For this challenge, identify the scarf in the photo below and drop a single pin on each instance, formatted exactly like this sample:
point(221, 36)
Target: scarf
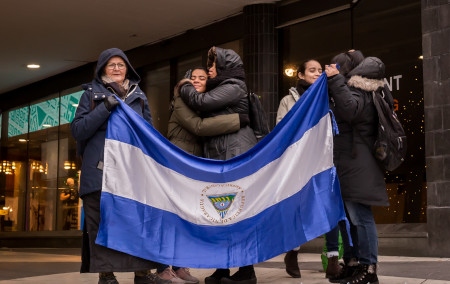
point(302, 86)
point(116, 88)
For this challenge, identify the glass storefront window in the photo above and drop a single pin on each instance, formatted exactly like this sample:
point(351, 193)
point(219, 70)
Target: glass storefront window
point(43, 164)
point(13, 184)
point(156, 85)
point(68, 203)
point(397, 40)
point(32, 173)
point(324, 37)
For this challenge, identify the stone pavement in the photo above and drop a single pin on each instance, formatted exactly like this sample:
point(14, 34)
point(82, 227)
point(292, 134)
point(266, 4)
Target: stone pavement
point(61, 266)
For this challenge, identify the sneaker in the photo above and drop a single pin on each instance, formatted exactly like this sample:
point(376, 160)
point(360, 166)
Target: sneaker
point(217, 276)
point(365, 274)
point(150, 278)
point(291, 262)
point(107, 278)
point(169, 274)
point(183, 273)
point(242, 276)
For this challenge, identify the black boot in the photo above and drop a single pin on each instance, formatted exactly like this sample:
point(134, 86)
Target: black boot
point(245, 275)
point(365, 274)
point(291, 262)
point(217, 275)
point(107, 278)
point(333, 267)
point(347, 270)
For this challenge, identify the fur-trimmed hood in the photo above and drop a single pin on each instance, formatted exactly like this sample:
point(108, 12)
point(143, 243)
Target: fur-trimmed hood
point(368, 75)
point(365, 84)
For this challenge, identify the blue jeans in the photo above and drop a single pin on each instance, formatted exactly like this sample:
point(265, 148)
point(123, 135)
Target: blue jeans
point(363, 232)
point(332, 239)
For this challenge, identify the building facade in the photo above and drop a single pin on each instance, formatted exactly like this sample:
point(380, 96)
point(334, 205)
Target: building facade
point(38, 154)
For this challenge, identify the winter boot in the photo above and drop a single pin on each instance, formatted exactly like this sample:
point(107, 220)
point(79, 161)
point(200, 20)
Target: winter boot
point(146, 277)
point(365, 274)
point(245, 275)
point(217, 275)
point(333, 267)
point(107, 278)
point(291, 262)
point(346, 271)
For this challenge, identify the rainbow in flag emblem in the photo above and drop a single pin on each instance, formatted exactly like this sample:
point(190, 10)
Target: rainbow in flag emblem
point(222, 202)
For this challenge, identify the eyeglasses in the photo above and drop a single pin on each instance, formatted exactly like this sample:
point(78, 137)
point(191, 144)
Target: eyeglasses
point(112, 66)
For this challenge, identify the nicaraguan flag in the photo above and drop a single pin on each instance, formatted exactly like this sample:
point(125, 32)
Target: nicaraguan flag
point(162, 204)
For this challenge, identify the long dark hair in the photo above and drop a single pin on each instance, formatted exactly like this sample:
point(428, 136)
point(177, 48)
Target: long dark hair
point(302, 66)
point(348, 60)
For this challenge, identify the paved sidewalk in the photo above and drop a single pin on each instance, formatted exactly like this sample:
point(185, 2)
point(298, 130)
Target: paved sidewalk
point(61, 266)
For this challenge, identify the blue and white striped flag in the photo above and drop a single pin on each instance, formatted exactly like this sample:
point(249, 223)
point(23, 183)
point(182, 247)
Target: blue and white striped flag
point(162, 204)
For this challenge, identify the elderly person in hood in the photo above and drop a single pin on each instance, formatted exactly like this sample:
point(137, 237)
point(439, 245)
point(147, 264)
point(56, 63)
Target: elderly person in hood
point(114, 76)
point(226, 92)
point(360, 176)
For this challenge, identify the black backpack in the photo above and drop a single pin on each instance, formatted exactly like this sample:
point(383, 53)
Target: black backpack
point(390, 145)
point(257, 115)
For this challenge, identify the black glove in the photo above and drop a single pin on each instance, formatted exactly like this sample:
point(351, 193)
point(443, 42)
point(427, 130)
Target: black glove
point(188, 74)
point(244, 120)
point(111, 102)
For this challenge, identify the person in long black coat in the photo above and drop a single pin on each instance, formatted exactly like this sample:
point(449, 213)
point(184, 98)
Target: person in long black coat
point(114, 76)
point(360, 176)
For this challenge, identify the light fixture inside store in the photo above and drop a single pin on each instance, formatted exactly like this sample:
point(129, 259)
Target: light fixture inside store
point(33, 66)
point(7, 167)
point(39, 167)
point(290, 72)
point(68, 165)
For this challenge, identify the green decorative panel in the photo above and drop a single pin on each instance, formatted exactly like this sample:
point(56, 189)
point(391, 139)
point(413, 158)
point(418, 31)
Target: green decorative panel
point(18, 122)
point(44, 115)
point(69, 105)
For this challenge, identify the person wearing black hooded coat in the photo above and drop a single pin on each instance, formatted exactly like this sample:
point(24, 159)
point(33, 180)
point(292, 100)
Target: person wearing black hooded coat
point(360, 176)
point(226, 92)
point(114, 76)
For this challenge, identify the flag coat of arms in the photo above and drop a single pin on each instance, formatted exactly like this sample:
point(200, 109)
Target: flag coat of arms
point(163, 204)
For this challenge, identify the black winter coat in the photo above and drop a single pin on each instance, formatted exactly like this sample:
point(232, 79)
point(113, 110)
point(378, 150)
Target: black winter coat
point(91, 119)
point(230, 96)
point(360, 176)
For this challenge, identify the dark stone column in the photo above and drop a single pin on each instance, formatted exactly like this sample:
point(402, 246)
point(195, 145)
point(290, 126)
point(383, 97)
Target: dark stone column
point(261, 55)
point(436, 71)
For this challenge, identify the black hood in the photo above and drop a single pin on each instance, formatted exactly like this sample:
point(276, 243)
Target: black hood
point(104, 57)
point(227, 59)
point(370, 67)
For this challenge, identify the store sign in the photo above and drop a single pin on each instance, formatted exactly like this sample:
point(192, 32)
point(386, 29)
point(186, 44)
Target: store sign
point(393, 82)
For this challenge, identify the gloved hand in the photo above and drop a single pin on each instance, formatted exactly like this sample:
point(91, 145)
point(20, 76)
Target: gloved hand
point(111, 102)
point(188, 74)
point(244, 120)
